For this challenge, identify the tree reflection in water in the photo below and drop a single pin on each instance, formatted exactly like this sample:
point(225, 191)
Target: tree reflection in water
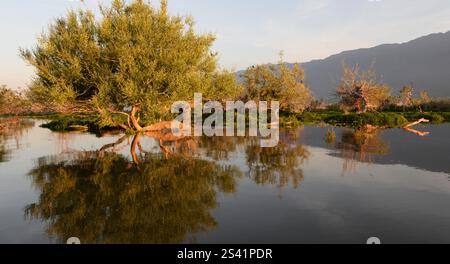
point(360, 145)
point(11, 129)
point(103, 197)
point(280, 165)
point(152, 197)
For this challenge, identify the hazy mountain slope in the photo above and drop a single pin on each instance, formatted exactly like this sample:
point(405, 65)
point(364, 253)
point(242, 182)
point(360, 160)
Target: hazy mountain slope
point(424, 62)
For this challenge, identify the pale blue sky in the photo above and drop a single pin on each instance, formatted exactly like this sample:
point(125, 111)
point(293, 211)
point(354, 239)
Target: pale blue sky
point(249, 31)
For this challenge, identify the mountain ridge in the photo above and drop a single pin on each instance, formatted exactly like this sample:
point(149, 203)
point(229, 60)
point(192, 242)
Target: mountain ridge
point(423, 62)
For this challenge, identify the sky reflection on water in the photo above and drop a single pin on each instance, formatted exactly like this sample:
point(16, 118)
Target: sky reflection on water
point(391, 184)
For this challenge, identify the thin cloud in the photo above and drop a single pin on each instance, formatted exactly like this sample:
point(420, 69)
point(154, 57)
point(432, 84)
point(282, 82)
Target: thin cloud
point(307, 8)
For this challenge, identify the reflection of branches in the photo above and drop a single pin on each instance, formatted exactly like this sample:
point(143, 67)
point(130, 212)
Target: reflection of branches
point(361, 146)
point(419, 133)
point(169, 144)
point(219, 148)
point(11, 128)
point(113, 145)
point(164, 141)
point(104, 200)
point(279, 165)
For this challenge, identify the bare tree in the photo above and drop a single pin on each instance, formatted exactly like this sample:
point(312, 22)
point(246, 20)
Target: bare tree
point(360, 90)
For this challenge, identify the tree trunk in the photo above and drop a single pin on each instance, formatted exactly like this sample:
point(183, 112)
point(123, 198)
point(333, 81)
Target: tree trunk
point(135, 121)
point(161, 126)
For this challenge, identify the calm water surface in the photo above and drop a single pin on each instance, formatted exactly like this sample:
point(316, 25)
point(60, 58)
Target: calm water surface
point(391, 184)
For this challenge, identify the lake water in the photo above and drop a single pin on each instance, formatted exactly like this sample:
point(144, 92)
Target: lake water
point(390, 184)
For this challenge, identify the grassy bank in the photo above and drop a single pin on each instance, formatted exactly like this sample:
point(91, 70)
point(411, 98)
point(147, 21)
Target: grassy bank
point(90, 122)
point(381, 119)
point(81, 122)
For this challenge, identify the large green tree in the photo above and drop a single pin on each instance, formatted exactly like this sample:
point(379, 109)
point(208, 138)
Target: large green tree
point(135, 55)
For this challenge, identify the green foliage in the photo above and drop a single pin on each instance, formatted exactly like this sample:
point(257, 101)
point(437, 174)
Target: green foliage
point(360, 120)
point(394, 120)
point(63, 123)
point(95, 124)
point(382, 119)
point(316, 117)
point(446, 116)
point(134, 54)
point(278, 83)
point(289, 120)
point(435, 118)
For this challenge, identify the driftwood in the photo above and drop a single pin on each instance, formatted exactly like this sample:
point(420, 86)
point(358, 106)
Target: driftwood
point(134, 118)
point(422, 120)
point(79, 128)
point(409, 128)
point(159, 127)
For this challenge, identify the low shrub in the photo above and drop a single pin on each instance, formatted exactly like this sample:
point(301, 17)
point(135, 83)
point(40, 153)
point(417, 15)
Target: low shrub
point(62, 123)
point(446, 116)
point(374, 119)
point(435, 118)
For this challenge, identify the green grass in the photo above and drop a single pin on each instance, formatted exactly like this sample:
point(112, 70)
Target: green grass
point(374, 119)
point(435, 118)
point(64, 123)
point(380, 119)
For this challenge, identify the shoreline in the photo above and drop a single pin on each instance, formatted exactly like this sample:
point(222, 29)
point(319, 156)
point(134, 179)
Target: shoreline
point(90, 122)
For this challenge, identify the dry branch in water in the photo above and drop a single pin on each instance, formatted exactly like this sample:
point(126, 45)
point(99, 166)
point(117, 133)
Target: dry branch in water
point(409, 128)
point(159, 127)
point(422, 120)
